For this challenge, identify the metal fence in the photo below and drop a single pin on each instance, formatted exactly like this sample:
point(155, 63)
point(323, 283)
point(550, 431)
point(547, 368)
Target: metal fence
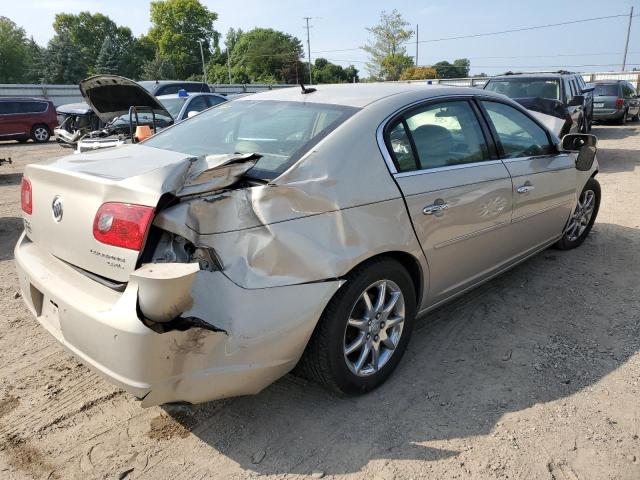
point(63, 94)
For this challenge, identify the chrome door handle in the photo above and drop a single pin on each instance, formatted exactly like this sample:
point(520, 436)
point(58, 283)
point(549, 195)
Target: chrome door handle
point(435, 208)
point(525, 188)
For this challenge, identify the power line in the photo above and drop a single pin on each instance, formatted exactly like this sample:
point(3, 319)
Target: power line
point(500, 32)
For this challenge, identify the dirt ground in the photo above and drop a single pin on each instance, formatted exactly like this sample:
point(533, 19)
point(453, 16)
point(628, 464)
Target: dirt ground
point(534, 375)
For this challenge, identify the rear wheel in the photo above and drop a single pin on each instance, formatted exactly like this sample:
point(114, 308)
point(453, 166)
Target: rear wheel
point(40, 134)
point(363, 331)
point(623, 119)
point(583, 217)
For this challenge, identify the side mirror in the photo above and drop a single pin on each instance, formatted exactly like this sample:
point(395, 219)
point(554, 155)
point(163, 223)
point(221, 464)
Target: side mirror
point(585, 145)
point(192, 113)
point(576, 101)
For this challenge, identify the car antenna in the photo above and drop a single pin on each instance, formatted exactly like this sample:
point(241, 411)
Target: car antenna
point(306, 90)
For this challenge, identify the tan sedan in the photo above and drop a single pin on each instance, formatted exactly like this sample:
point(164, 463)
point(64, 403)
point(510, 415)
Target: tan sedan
point(292, 229)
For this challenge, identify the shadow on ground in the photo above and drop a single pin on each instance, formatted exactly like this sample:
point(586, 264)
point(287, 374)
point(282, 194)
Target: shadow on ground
point(550, 327)
point(10, 230)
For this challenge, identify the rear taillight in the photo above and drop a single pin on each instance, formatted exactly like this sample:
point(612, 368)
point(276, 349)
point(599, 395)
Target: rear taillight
point(26, 196)
point(122, 224)
point(619, 102)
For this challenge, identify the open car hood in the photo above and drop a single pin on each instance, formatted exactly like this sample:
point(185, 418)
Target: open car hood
point(111, 96)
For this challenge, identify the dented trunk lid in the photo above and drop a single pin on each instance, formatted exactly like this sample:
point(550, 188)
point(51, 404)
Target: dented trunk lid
point(130, 174)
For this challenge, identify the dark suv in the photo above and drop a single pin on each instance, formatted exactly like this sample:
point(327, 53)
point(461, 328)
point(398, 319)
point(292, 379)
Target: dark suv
point(25, 118)
point(567, 93)
point(615, 100)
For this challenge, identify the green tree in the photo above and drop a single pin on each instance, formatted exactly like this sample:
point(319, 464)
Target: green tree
point(264, 55)
point(13, 52)
point(419, 73)
point(352, 73)
point(176, 28)
point(459, 68)
point(387, 54)
point(61, 62)
point(327, 72)
point(86, 33)
point(35, 72)
point(107, 61)
point(158, 68)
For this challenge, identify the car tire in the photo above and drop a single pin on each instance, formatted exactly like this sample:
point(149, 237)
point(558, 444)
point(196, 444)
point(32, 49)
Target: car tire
point(582, 218)
point(623, 119)
point(332, 357)
point(40, 134)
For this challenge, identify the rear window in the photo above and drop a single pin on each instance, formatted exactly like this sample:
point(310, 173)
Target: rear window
point(606, 90)
point(281, 132)
point(16, 107)
point(526, 88)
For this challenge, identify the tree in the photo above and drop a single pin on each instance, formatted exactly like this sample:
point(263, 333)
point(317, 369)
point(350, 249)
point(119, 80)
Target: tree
point(387, 54)
point(158, 69)
point(419, 73)
point(86, 33)
point(61, 62)
point(13, 52)
point(107, 61)
point(176, 28)
point(459, 68)
point(327, 72)
point(35, 62)
point(264, 55)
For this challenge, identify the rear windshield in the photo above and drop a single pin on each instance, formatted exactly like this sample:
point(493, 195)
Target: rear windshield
point(526, 88)
point(281, 132)
point(605, 90)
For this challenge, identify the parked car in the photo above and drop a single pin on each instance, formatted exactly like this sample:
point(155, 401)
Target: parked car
point(22, 119)
point(181, 105)
point(80, 117)
point(569, 96)
point(167, 87)
point(615, 100)
point(289, 229)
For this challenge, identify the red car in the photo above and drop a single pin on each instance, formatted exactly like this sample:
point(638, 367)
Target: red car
point(25, 118)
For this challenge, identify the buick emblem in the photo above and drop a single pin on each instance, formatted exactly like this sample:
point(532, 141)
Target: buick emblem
point(56, 208)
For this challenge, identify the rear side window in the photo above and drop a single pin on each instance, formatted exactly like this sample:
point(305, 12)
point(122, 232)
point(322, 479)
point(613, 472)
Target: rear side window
point(606, 90)
point(519, 136)
point(198, 104)
point(213, 100)
point(627, 90)
point(18, 106)
point(437, 136)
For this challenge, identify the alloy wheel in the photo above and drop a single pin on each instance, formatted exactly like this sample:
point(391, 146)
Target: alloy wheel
point(374, 328)
point(41, 134)
point(581, 217)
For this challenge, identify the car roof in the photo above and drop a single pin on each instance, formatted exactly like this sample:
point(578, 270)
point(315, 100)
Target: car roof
point(533, 75)
point(190, 94)
point(609, 81)
point(360, 95)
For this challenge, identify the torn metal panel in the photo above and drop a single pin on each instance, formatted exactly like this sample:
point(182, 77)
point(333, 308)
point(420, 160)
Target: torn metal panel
point(164, 289)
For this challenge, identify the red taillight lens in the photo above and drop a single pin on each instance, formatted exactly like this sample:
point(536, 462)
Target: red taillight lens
point(26, 196)
point(122, 224)
point(619, 102)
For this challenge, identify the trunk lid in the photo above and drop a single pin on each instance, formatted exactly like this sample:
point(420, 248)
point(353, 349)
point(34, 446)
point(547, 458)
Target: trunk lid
point(135, 174)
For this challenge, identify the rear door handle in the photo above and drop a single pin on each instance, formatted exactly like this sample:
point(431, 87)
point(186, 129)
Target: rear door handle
point(436, 208)
point(527, 187)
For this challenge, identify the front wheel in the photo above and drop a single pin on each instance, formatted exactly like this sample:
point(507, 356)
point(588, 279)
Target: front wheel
point(583, 217)
point(363, 331)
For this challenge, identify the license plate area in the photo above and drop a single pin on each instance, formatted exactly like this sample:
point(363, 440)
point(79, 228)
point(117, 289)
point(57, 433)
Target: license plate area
point(598, 105)
point(50, 314)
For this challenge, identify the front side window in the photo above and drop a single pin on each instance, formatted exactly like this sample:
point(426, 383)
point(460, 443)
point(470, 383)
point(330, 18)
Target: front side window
point(280, 132)
point(443, 134)
point(519, 135)
point(198, 104)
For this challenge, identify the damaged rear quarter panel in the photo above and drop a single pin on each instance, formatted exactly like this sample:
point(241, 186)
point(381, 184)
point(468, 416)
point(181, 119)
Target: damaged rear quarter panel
point(330, 211)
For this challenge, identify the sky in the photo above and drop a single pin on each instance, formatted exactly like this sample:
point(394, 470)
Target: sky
point(341, 24)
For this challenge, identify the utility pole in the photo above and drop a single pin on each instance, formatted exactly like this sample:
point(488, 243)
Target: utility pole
point(308, 49)
point(417, 36)
point(626, 46)
point(229, 65)
point(204, 70)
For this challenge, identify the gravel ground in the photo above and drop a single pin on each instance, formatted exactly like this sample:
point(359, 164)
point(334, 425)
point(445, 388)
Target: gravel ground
point(533, 375)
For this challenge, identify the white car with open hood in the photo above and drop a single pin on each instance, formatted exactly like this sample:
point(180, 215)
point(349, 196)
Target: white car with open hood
point(289, 230)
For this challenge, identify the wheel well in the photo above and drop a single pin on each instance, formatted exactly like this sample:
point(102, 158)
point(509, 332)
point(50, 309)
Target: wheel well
point(36, 125)
point(409, 262)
